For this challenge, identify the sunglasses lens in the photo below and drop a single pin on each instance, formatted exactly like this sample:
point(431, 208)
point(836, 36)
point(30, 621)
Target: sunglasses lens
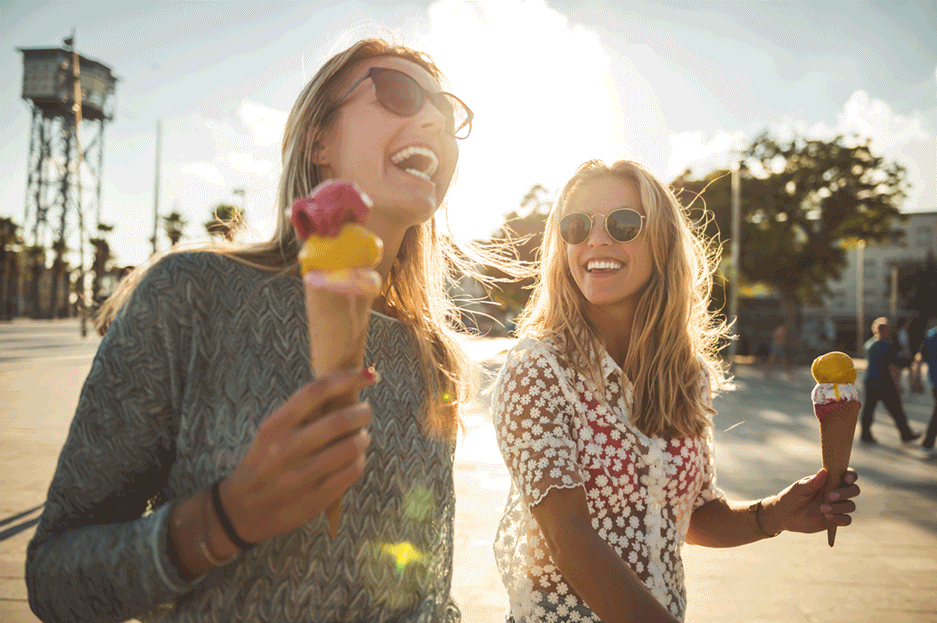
point(457, 115)
point(623, 225)
point(398, 93)
point(575, 228)
point(402, 95)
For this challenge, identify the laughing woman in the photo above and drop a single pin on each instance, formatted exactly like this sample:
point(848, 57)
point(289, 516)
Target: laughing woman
point(603, 413)
point(200, 405)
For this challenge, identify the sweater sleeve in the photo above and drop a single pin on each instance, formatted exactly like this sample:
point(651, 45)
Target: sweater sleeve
point(97, 554)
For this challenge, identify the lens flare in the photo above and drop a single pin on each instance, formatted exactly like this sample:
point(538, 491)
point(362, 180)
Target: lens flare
point(403, 554)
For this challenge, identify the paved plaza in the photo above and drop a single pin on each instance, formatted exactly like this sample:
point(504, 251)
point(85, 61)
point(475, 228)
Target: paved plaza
point(883, 568)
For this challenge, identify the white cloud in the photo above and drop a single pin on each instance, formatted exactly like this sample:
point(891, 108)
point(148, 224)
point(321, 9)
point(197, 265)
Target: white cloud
point(204, 170)
point(874, 118)
point(696, 151)
point(265, 124)
point(248, 163)
point(902, 138)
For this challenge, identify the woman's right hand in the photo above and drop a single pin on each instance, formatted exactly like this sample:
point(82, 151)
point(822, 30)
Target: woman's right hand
point(301, 461)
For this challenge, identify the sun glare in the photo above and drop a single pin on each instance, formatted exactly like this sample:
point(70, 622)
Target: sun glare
point(539, 87)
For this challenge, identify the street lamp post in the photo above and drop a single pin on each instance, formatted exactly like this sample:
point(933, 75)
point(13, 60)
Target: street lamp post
point(76, 108)
point(736, 256)
point(860, 296)
point(159, 147)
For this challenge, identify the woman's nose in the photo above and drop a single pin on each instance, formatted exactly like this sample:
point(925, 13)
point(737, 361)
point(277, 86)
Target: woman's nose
point(599, 235)
point(429, 116)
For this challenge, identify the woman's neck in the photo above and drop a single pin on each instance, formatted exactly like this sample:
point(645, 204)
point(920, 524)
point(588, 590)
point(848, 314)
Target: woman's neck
point(614, 329)
point(391, 233)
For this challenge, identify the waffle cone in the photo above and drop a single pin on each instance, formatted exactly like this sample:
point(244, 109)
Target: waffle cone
point(837, 429)
point(338, 329)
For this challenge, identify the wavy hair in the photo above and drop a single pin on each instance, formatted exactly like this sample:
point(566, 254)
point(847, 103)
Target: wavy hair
point(416, 288)
point(674, 335)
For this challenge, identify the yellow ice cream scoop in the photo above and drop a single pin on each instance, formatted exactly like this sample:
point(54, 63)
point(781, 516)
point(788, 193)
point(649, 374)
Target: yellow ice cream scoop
point(354, 247)
point(834, 367)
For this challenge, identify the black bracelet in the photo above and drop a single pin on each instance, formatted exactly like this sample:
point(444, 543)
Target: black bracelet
point(225, 520)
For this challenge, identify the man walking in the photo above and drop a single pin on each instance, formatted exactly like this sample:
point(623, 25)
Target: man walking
point(881, 377)
point(928, 353)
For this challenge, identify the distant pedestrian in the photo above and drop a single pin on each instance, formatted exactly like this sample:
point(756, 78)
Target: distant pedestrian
point(928, 354)
point(905, 356)
point(779, 351)
point(881, 383)
point(603, 413)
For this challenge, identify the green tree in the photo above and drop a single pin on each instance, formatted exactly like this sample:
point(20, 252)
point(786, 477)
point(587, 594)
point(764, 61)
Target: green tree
point(99, 262)
point(801, 200)
point(174, 226)
point(524, 229)
point(225, 222)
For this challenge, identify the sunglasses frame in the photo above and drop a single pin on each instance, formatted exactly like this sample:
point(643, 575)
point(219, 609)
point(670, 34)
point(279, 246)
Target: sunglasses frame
point(426, 95)
point(605, 224)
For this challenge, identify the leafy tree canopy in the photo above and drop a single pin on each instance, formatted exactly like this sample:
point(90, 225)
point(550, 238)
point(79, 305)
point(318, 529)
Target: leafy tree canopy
point(802, 202)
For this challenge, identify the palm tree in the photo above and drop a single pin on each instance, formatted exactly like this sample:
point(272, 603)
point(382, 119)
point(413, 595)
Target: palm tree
point(226, 221)
point(102, 255)
point(174, 225)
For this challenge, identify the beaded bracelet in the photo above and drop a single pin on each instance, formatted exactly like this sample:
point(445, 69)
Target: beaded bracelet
point(202, 542)
point(225, 520)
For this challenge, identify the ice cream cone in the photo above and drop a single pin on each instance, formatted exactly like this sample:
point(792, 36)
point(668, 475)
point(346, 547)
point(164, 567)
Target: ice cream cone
point(338, 329)
point(837, 429)
point(337, 260)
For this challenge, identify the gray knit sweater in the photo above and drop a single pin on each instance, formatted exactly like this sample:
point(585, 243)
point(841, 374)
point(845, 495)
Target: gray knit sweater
point(202, 352)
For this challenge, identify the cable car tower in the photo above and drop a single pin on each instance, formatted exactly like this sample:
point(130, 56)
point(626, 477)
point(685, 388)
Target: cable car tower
point(70, 99)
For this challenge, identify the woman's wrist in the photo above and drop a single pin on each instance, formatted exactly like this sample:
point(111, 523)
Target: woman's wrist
point(767, 519)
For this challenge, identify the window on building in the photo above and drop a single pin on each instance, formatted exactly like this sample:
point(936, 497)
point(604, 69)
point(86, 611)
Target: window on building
point(871, 269)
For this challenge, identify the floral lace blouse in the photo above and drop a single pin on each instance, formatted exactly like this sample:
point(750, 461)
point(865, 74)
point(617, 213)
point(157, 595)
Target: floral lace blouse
point(555, 434)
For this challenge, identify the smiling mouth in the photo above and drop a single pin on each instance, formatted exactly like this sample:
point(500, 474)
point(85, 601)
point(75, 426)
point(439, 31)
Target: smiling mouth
point(416, 160)
point(603, 267)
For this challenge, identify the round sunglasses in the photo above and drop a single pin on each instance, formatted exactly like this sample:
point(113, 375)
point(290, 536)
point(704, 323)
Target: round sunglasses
point(622, 225)
point(402, 95)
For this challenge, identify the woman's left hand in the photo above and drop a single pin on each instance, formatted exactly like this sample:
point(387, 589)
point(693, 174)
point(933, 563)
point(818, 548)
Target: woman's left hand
point(802, 507)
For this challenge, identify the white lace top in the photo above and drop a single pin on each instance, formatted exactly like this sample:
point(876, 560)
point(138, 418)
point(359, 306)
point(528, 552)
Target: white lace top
point(641, 491)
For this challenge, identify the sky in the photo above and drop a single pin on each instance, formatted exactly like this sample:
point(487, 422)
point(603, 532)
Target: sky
point(673, 85)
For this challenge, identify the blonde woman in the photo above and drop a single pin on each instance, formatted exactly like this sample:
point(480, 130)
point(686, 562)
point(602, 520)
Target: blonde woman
point(603, 414)
point(200, 405)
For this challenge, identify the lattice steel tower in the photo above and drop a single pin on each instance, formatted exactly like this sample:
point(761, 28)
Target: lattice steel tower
point(55, 203)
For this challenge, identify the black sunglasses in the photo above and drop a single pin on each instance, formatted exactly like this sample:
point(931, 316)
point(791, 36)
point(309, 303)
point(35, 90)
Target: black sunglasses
point(402, 95)
point(623, 225)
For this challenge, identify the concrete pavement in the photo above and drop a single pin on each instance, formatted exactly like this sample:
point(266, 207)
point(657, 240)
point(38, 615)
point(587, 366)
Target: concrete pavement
point(883, 568)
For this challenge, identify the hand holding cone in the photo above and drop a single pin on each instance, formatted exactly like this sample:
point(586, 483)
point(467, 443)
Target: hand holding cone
point(337, 260)
point(836, 406)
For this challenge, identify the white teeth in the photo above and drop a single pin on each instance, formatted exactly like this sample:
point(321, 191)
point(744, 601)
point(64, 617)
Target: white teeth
point(427, 161)
point(603, 265)
point(419, 174)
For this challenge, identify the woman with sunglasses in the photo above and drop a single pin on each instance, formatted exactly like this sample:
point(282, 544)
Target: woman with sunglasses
point(201, 456)
point(603, 411)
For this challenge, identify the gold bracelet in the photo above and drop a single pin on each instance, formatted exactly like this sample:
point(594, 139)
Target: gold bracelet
point(203, 545)
point(753, 512)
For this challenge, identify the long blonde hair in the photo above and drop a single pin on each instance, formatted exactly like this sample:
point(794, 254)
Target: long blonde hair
point(415, 289)
point(674, 336)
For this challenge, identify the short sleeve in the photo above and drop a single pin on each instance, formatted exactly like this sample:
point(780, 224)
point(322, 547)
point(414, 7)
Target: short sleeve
point(709, 490)
point(530, 414)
